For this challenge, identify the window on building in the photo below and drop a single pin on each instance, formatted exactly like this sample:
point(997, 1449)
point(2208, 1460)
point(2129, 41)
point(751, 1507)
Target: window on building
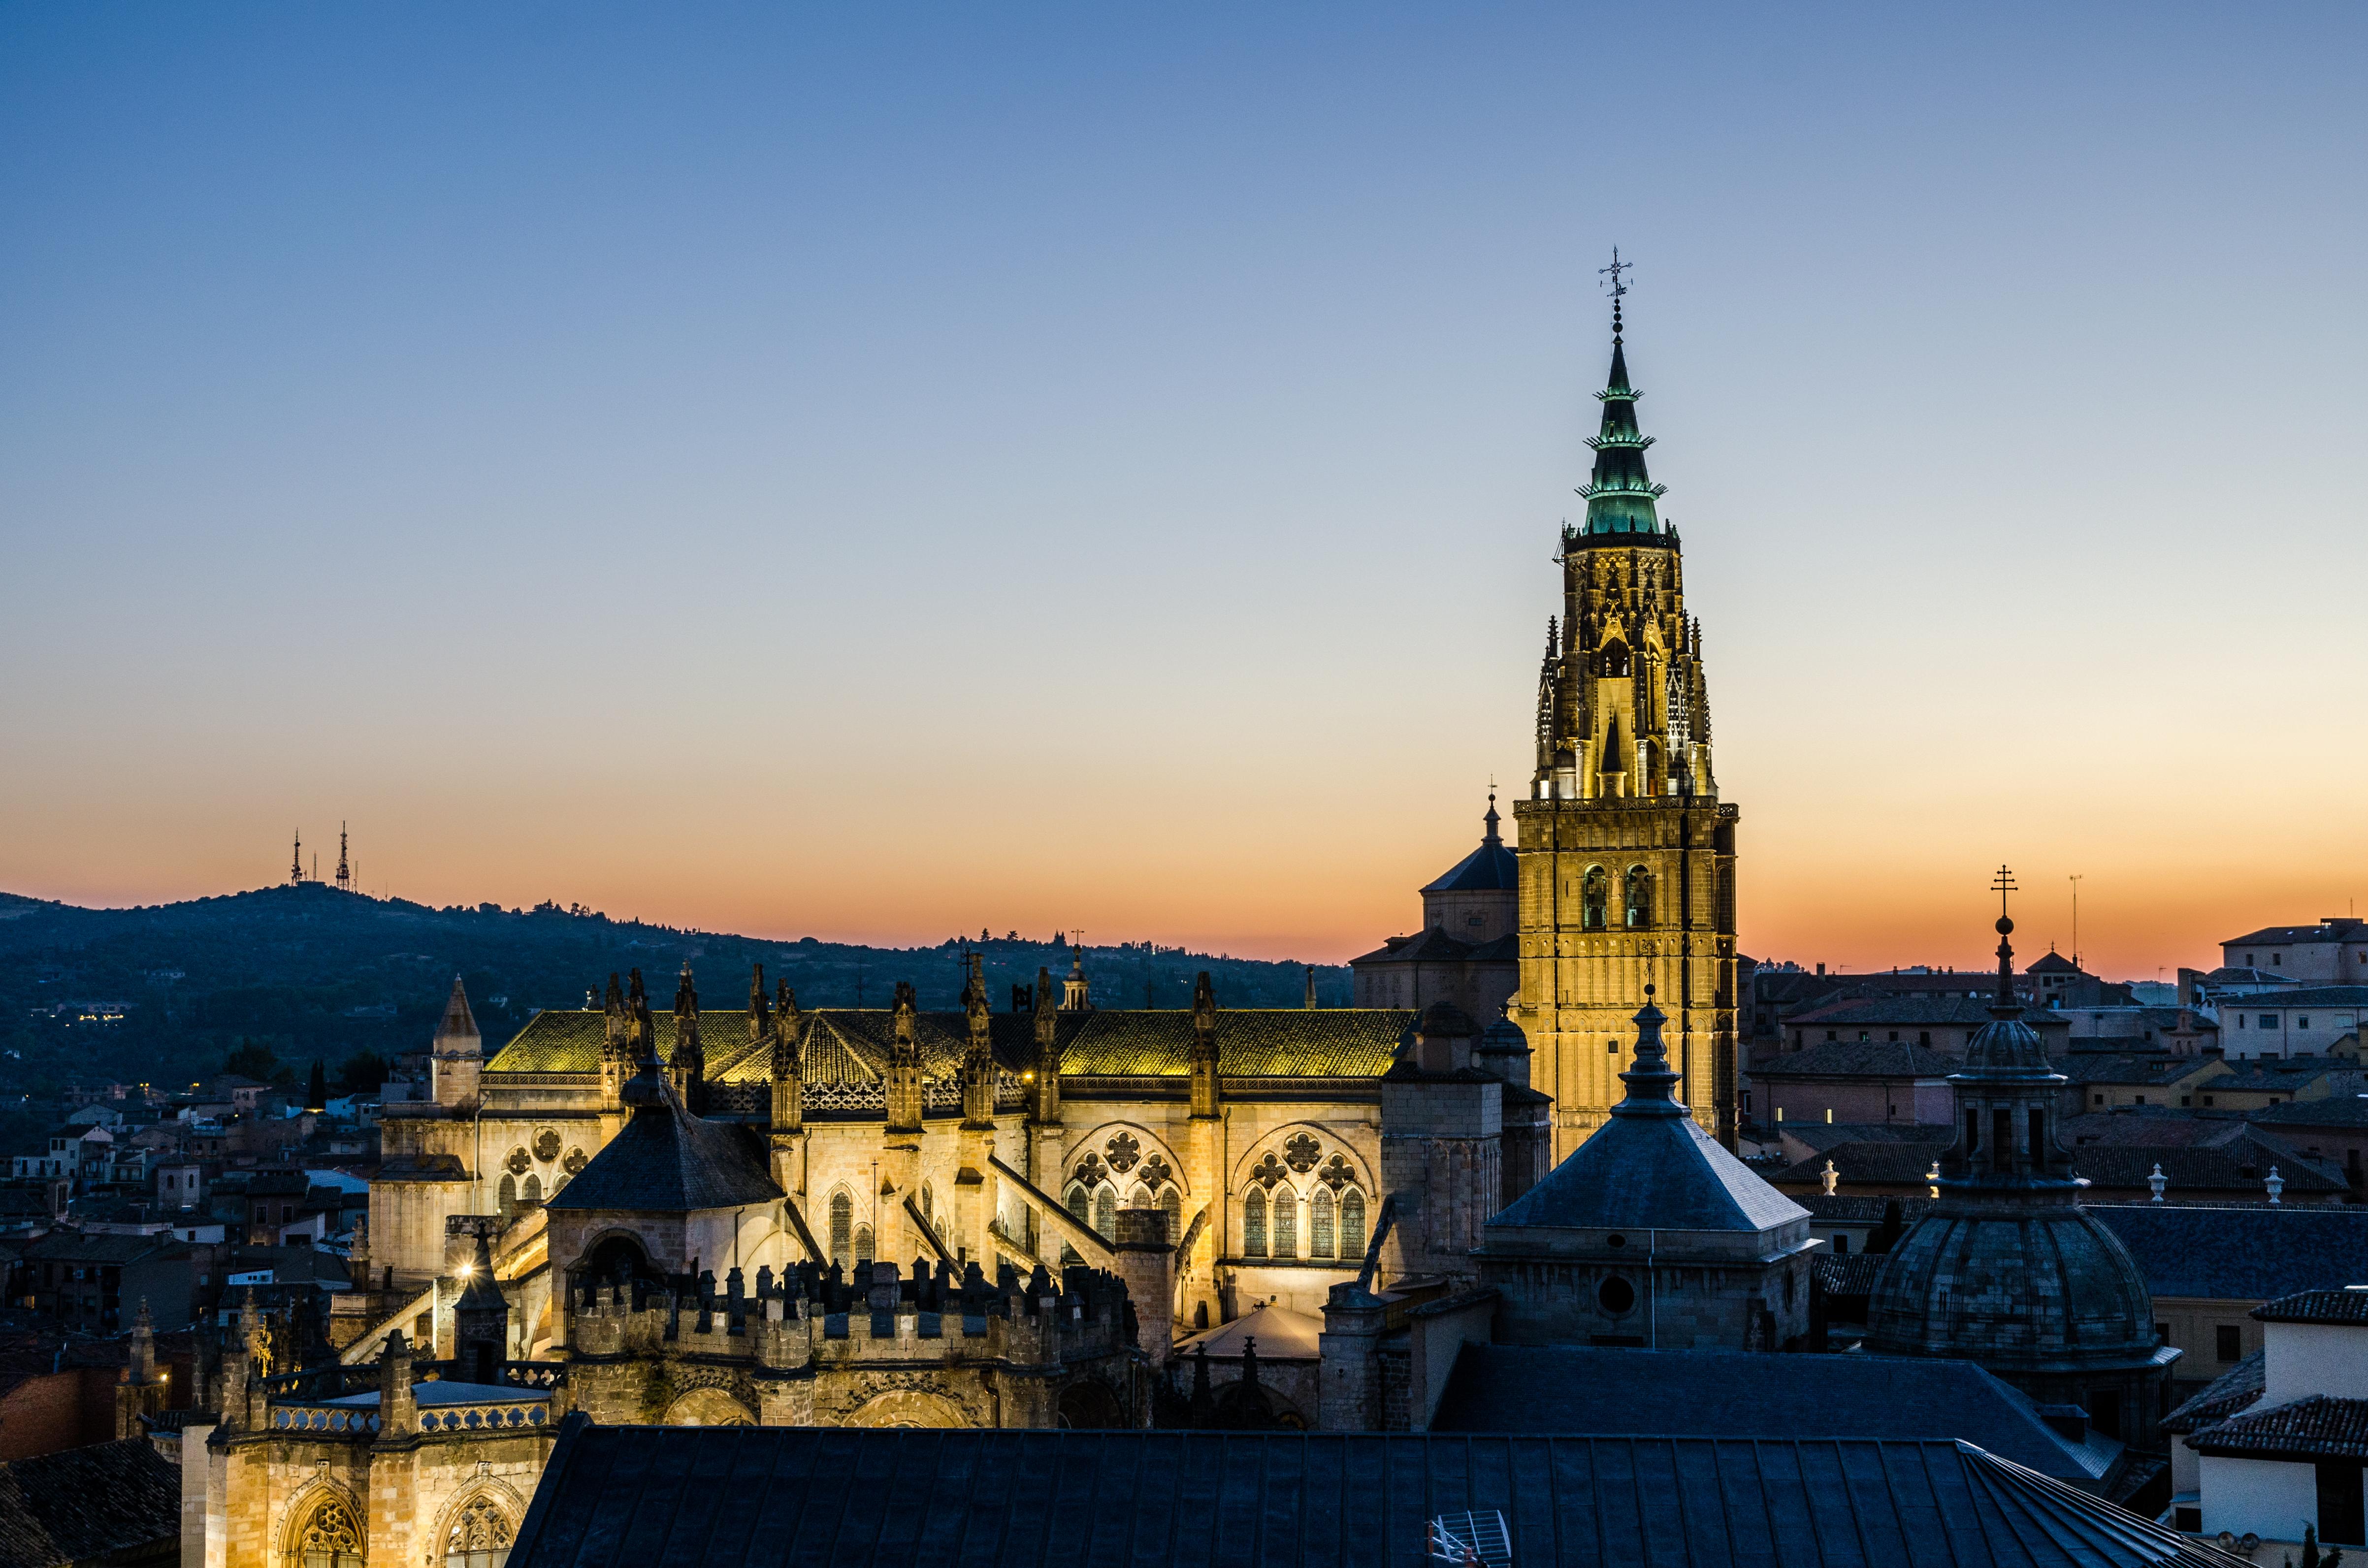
point(2277, 961)
point(1842, 1245)
point(480, 1536)
point(2228, 1343)
point(532, 1190)
point(1831, 1034)
point(1171, 1203)
point(1353, 1223)
point(2207, 1099)
point(2302, 1020)
point(864, 1244)
point(2268, 1021)
point(2097, 1099)
point(1594, 899)
point(1323, 1237)
point(2162, 1333)
point(1639, 883)
point(329, 1539)
point(1894, 1034)
point(2138, 1099)
point(507, 1200)
point(1253, 1224)
point(842, 1230)
point(1286, 1223)
point(1106, 1211)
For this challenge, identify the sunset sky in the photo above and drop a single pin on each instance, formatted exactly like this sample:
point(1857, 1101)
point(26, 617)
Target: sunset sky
point(877, 472)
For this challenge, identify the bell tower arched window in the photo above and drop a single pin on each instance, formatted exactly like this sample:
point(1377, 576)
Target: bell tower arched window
point(1594, 899)
point(1639, 887)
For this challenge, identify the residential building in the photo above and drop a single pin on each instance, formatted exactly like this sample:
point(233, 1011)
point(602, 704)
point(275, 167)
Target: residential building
point(96, 1283)
point(2208, 1268)
point(1851, 1081)
point(1941, 1022)
point(2290, 1456)
point(2333, 952)
point(2309, 1020)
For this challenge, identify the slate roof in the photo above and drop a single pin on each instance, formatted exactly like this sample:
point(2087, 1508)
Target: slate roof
point(2325, 931)
point(2147, 1068)
point(2054, 963)
point(1859, 1059)
point(2239, 1166)
point(2335, 1110)
point(2231, 1391)
point(1435, 946)
point(2241, 1255)
point(1851, 1274)
point(1648, 1173)
point(2310, 996)
point(1488, 869)
point(2343, 1305)
point(2318, 1427)
point(666, 1161)
point(1952, 1010)
point(850, 1046)
point(852, 1497)
point(118, 1500)
point(1582, 1391)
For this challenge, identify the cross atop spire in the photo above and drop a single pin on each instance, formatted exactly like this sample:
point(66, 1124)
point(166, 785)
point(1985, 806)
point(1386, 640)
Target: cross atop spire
point(1616, 286)
point(2003, 884)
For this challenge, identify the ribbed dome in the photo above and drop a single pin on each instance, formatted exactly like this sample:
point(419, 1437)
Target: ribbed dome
point(2016, 1287)
point(2007, 1045)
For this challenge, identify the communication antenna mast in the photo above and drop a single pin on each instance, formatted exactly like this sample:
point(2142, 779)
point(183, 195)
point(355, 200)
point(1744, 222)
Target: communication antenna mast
point(1474, 1541)
point(344, 869)
point(296, 861)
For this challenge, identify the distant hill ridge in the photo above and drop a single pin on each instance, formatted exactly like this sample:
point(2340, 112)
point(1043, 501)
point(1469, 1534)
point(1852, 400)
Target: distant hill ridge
point(312, 972)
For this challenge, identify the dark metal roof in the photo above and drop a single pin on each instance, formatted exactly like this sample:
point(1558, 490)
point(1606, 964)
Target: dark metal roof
point(2241, 1255)
point(666, 1161)
point(1859, 1059)
point(119, 1502)
point(2343, 929)
point(851, 1498)
point(1588, 1392)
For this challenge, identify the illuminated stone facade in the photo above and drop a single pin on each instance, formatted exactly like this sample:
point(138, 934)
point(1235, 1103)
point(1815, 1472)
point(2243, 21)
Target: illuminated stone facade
point(1627, 854)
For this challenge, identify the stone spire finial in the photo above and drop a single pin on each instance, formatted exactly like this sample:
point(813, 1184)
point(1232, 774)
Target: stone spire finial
point(760, 1012)
point(1652, 1084)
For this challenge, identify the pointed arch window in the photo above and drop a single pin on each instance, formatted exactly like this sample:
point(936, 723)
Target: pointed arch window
point(1106, 1211)
point(1171, 1203)
point(928, 1203)
point(864, 1244)
point(329, 1539)
point(1323, 1237)
point(842, 1230)
point(1640, 896)
point(1253, 1224)
point(1594, 899)
point(480, 1536)
point(1079, 1203)
point(506, 1199)
point(1286, 1223)
point(1352, 1224)
point(532, 1192)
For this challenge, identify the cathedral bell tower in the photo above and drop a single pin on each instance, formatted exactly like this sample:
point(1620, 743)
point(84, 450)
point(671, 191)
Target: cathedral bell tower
point(1626, 853)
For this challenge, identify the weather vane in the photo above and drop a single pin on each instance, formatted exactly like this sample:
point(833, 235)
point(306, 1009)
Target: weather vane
point(1613, 272)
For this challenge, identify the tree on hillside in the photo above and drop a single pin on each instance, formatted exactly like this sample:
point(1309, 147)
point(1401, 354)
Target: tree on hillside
point(316, 1089)
point(363, 1072)
point(252, 1059)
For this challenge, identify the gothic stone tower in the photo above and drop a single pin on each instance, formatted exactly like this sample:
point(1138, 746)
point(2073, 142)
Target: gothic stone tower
point(1627, 854)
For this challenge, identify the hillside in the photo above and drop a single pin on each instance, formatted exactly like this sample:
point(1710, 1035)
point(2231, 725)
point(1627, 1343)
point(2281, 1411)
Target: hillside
point(310, 972)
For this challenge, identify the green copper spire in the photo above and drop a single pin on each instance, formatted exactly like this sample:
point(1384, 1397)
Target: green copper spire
point(1620, 494)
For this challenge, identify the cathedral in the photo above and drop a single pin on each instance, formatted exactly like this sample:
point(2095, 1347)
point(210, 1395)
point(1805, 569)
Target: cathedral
point(1627, 853)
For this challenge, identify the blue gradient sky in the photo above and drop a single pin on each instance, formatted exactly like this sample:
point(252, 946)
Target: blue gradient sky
point(879, 472)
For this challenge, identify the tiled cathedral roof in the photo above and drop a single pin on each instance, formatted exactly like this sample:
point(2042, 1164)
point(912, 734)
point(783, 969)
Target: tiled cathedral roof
point(847, 1045)
point(666, 1161)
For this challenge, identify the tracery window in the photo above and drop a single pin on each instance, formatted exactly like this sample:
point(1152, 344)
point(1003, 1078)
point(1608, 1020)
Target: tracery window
point(1106, 1211)
point(1079, 1203)
point(1594, 899)
point(507, 1196)
point(928, 1203)
point(1353, 1223)
point(532, 1190)
point(1322, 1240)
point(1171, 1203)
point(864, 1244)
point(842, 1229)
point(1640, 896)
point(329, 1539)
point(480, 1536)
point(1286, 1223)
point(1253, 1224)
